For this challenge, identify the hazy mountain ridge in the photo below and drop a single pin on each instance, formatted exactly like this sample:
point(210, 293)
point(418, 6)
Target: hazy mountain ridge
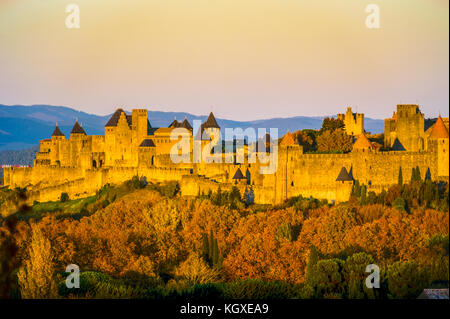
point(22, 127)
point(19, 157)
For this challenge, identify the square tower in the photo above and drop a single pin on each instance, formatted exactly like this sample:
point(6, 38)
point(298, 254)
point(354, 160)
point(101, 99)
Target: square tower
point(405, 131)
point(354, 122)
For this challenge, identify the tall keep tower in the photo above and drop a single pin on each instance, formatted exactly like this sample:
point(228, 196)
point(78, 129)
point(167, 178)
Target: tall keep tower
point(140, 124)
point(405, 130)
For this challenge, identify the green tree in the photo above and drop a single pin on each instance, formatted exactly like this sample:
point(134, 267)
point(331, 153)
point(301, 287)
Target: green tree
point(215, 253)
point(399, 204)
point(428, 175)
point(205, 247)
point(211, 247)
point(371, 198)
point(328, 280)
point(356, 189)
point(438, 248)
point(218, 198)
point(381, 198)
point(210, 250)
point(406, 279)
point(413, 174)
point(135, 182)
point(234, 197)
point(363, 200)
point(331, 124)
point(430, 192)
point(64, 197)
point(312, 261)
point(355, 275)
point(307, 139)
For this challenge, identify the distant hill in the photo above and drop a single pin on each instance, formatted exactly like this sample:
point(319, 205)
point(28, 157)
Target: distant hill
point(22, 127)
point(19, 157)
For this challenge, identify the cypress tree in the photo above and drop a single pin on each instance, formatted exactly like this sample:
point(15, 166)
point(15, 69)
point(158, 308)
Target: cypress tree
point(382, 197)
point(429, 193)
point(219, 197)
point(400, 176)
point(312, 261)
point(205, 247)
point(363, 195)
point(428, 175)
point(211, 245)
point(215, 256)
point(356, 191)
point(415, 174)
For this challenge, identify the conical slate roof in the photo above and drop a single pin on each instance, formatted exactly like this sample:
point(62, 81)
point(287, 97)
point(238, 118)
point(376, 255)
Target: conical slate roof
point(287, 140)
point(439, 130)
point(211, 122)
point(362, 142)
point(397, 146)
point(129, 119)
point(147, 143)
point(186, 124)
point(57, 131)
point(174, 123)
point(238, 174)
point(116, 116)
point(77, 129)
point(343, 176)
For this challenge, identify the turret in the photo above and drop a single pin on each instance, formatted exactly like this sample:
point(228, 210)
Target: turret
point(211, 127)
point(239, 178)
point(57, 134)
point(439, 141)
point(344, 185)
point(362, 144)
point(77, 130)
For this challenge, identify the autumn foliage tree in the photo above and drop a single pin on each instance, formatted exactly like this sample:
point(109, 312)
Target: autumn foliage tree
point(334, 141)
point(37, 277)
point(302, 248)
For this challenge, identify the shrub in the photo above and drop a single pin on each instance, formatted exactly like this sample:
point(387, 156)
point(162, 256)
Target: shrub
point(259, 289)
point(89, 281)
point(64, 197)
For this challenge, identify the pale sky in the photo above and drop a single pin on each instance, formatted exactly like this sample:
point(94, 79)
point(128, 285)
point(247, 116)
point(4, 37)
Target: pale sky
point(241, 59)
